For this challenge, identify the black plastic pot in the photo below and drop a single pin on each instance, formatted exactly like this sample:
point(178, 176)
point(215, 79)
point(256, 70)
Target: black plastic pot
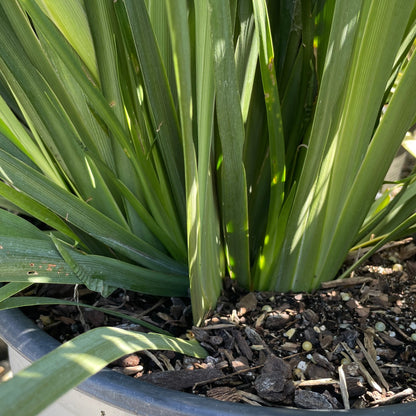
point(121, 395)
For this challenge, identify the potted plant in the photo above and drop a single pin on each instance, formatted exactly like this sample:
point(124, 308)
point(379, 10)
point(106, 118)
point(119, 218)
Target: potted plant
point(166, 145)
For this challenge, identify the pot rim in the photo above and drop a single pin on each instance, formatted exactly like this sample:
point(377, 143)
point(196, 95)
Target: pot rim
point(136, 396)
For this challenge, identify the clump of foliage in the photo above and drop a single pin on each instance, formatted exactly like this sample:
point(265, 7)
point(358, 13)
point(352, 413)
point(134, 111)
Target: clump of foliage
point(168, 144)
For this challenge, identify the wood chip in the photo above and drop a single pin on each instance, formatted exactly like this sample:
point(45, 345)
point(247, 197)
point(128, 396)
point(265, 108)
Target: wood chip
point(394, 342)
point(243, 346)
point(277, 320)
point(247, 303)
point(252, 399)
point(224, 376)
point(366, 374)
point(224, 394)
point(239, 364)
point(181, 379)
point(318, 382)
point(350, 281)
point(316, 372)
point(369, 343)
point(217, 326)
point(355, 387)
point(343, 387)
point(410, 370)
point(307, 399)
point(373, 365)
point(275, 382)
point(322, 361)
point(290, 346)
point(394, 398)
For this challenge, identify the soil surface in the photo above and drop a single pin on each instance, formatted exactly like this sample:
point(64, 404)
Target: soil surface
point(351, 344)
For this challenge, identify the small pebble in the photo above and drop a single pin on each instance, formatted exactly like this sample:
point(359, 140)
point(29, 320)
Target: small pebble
point(397, 267)
point(129, 371)
point(257, 347)
point(289, 334)
point(216, 340)
point(307, 346)
point(302, 366)
point(266, 308)
point(380, 326)
point(413, 325)
point(413, 336)
point(345, 296)
point(212, 360)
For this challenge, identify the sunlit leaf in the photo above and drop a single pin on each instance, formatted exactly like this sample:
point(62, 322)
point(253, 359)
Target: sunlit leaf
point(75, 361)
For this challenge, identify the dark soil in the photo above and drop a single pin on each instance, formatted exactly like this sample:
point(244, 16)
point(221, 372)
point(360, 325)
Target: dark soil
point(349, 344)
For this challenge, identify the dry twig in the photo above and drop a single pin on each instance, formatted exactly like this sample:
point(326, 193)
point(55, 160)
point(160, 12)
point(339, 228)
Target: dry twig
point(394, 398)
point(316, 382)
point(349, 281)
point(343, 387)
point(373, 365)
point(366, 374)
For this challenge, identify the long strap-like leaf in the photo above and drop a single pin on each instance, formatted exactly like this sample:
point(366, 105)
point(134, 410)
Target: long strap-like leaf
point(29, 255)
point(233, 185)
point(83, 216)
point(76, 360)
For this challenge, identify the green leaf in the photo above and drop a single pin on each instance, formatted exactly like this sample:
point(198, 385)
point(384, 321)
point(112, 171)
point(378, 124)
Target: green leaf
point(67, 15)
point(264, 267)
point(29, 255)
point(37, 210)
point(75, 361)
point(50, 112)
point(344, 165)
point(11, 289)
point(386, 141)
point(202, 222)
point(396, 233)
point(91, 280)
point(24, 301)
point(234, 210)
point(158, 92)
point(82, 215)
point(246, 55)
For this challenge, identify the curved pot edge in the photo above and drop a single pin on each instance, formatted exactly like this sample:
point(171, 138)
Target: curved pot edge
point(143, 398)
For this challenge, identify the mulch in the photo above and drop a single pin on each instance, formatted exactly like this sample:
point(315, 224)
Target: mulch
point(350, 344)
